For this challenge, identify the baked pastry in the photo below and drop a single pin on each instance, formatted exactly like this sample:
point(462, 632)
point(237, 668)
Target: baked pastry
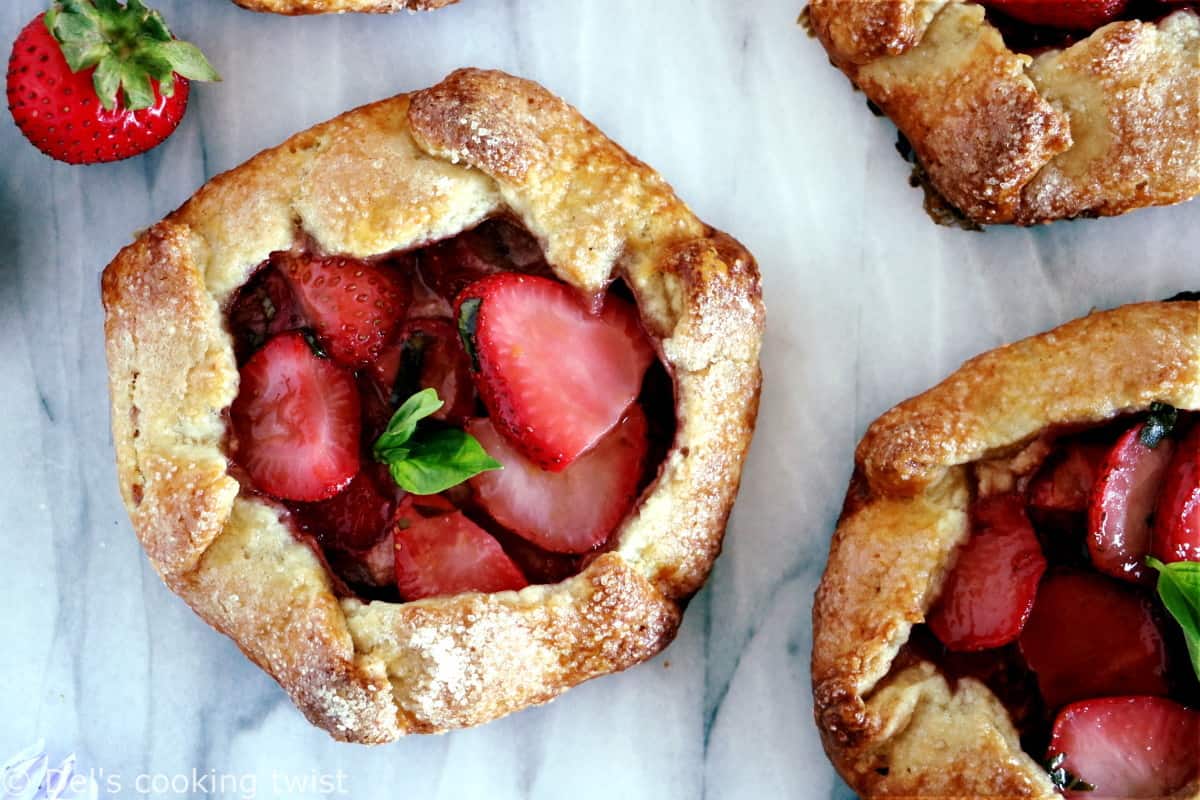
point(1016, 120)
point(354, 238)
point(297, 7)
point(988, 623)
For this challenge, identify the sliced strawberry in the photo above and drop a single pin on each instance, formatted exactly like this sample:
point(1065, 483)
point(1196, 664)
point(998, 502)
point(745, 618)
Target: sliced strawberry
point(553, 377)
point(355, 305)
point(495, 246)
point(428, 353)
point(358, 516)
point(296, 422)
point(1177, 522)
point(1122, 507)
point(1072, 15)
point(374, 568)
point(520, 248)
point(1127, 747)
point(265, 306)
point(1090, 636)
point(1064, 483)
point(377, 407)
point(570, 511)
point(989, 594)
point(537, 564)
point(448, 555)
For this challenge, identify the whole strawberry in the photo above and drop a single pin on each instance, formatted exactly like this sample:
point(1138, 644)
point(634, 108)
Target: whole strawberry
point(97, 80)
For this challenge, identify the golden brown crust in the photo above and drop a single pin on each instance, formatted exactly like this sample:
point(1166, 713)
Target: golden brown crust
point(393, 176)
point(1105, 126)
point(896, 730)
point(297, 7)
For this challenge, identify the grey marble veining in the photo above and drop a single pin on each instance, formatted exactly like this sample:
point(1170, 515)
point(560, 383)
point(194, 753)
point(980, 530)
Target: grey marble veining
point(868, 303)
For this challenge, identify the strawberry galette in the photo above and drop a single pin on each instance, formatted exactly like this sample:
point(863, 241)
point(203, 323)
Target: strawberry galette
point(297, 7)
point(437, 409)
point(1029, 111)
point(1012, 602)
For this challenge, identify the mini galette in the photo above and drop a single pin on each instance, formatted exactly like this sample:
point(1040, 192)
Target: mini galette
point(1029, 111)
point(1012, 602)
point(437, 409)
point(298, 7)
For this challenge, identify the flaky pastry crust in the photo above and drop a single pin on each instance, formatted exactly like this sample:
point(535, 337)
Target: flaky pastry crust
point(393, 176)
point(899, 728)
point(1105, 126)
point(299, 7)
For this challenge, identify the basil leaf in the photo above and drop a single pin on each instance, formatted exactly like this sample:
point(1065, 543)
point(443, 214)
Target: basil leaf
point(404, 422)
point(468, 323)
point(1179, 588)
point(439, 460)
point(1159, 424)
point(1062, 778)
point(424, 461)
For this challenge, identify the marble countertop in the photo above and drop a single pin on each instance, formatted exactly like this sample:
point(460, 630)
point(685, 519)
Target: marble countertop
point(868, 303)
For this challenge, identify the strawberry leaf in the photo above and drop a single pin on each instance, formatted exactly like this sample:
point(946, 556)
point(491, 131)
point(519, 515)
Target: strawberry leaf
point(106, 80)
point(1179, 588)
point(187, 60)
point(429, 461)
point(138, 92)
point(130, 46)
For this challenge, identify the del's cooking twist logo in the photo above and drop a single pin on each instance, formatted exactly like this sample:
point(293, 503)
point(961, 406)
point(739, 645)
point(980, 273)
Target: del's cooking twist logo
point(30, 775)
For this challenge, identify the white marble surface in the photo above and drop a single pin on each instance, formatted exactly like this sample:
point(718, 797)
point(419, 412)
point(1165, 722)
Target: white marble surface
point(868, 303)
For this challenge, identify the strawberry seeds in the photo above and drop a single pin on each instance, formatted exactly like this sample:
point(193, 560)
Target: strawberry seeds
point(367, 389)
point(1054, 586)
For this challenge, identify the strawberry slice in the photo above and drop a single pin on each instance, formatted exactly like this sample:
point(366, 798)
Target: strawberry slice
point(296, 422)
point(374, 568)
point(355, 305)
point(1177, 523)
point(428, 353)
point(448, 554)
point(495, 246)
point(570, 511)
point(358, 516)
point(535, 563)
point(1090, 636)
point(1071, 15)
point(1127, 747)
point(554, 378)
point(989, 594)
point(1122, 507)
point(264, 307)
point(1065, 483)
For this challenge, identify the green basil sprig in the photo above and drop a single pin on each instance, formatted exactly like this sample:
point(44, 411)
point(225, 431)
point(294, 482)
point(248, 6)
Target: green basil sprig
point(1159, 424)
point(426, 460)
point(1179, 588)
point(1063, 779)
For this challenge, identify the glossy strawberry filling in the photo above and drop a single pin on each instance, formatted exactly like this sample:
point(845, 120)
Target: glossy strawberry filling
point(1055, 602)
point(1033, 25)
point(448, 420)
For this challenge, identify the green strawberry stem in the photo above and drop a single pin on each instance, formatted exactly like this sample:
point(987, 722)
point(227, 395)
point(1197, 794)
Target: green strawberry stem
point(129, 45)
